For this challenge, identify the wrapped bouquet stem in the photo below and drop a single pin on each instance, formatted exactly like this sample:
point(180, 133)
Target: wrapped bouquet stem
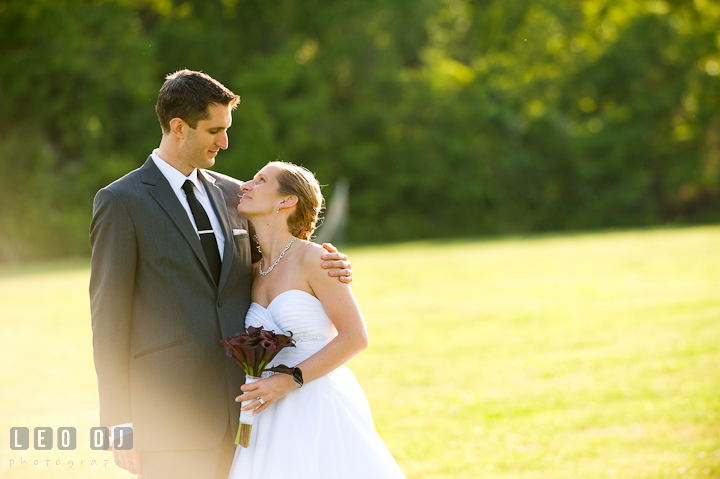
point(246, 418)
point(253, 351)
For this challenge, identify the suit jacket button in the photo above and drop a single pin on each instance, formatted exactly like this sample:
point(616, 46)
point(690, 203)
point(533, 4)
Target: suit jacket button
point(220, 304)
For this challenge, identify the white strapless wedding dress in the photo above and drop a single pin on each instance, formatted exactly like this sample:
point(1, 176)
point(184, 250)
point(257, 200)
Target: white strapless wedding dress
point(322, 430)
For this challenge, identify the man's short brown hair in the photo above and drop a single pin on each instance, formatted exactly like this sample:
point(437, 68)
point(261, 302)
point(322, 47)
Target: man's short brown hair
point(187, 94)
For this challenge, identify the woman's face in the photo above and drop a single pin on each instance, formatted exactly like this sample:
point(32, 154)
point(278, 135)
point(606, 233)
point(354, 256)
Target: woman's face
point(260, 195)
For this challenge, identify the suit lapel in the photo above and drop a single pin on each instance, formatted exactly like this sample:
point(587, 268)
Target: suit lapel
point(218, 203)
point(162, 193)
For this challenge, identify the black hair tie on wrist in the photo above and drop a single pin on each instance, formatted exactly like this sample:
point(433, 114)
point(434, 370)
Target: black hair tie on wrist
point(296, 373)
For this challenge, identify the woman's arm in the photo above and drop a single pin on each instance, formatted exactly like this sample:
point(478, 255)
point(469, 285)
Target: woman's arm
point(340, 305)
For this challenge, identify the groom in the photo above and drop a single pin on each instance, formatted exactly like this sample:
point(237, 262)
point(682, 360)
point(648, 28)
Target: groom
point(170, 278)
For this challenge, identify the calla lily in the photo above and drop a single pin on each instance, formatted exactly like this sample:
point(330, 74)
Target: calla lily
point(254, 349)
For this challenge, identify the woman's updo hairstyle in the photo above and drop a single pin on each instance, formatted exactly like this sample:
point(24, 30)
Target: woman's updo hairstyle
point(301, 182)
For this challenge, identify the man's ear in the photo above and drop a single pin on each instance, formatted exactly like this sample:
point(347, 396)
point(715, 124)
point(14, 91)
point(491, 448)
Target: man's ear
point(178, 128)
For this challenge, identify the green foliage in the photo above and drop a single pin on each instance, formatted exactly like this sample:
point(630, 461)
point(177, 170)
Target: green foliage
point(75, 82)
point(453, 117)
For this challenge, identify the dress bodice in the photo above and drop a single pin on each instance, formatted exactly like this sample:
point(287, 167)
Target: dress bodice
point(298, 312)
point(323, 430)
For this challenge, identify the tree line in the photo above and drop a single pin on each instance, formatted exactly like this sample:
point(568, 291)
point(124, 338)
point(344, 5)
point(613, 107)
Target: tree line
point(448, 117)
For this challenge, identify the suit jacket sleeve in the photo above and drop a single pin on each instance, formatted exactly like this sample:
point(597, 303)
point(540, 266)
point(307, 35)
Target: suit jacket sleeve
point(112, 281)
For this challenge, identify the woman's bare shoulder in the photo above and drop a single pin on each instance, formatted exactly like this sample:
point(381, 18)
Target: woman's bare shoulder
point(312, 251)
point(312, 259)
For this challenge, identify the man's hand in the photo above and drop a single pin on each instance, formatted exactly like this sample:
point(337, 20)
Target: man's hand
point(128, 459)
point(337, 263)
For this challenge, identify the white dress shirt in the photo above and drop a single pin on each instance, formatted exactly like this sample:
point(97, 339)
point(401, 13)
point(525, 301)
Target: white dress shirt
point(176, 180)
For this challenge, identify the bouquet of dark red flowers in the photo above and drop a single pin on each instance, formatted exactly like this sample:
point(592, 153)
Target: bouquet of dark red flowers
point(253, 351)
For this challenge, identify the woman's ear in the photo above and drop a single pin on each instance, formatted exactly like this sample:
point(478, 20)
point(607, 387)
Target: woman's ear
point(289, 202)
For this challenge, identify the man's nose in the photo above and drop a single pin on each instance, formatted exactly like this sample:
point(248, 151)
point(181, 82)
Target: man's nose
point(222, 141)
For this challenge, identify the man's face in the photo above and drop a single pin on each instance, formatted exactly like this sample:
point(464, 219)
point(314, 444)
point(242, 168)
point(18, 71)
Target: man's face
point(200, 145)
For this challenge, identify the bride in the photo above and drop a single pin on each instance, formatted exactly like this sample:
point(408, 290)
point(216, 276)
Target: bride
point(315, 423)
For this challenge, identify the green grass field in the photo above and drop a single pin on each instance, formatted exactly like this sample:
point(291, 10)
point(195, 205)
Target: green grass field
point(575, 356)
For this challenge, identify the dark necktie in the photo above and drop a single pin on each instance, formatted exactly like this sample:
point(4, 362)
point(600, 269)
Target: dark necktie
point(207, 235)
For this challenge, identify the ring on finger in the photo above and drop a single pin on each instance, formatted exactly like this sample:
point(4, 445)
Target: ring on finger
point(262, 402)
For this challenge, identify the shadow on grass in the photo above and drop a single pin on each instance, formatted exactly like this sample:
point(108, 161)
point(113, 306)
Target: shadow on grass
point(528, 237)
point(69, 264)
point(41, 267)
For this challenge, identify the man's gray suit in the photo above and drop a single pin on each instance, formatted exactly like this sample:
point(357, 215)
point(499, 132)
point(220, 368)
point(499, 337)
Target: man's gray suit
point(157, 315)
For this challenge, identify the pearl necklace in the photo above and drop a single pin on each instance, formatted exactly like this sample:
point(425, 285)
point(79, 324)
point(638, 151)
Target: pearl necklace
point(277, 260)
